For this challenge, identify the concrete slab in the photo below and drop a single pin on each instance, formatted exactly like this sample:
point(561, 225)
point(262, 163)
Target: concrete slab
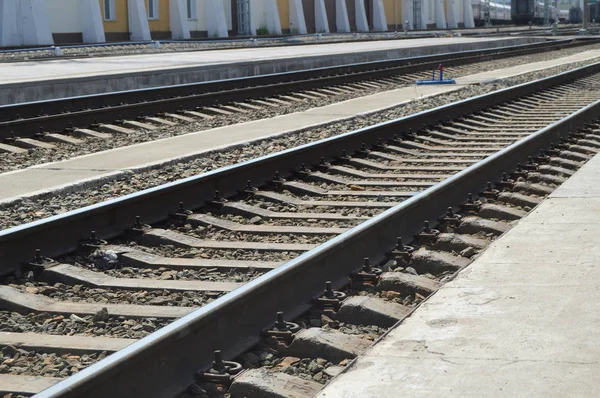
point(16, 384)
point(39, 179)
point(36, 80)
point(521, 320)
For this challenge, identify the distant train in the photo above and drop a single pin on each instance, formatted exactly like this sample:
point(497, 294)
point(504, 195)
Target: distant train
point(519, 12)
point(525, 11)
point(499, 12)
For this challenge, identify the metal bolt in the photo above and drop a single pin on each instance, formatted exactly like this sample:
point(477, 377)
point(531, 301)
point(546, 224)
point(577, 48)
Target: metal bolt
point(280, 324)
point(367, 265)
point(426, 227)
point(218, 364)
point(328, 293)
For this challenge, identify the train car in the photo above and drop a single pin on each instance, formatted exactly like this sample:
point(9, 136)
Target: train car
point(563, 16)
point(499, 12)
point(525, 11)
point(575, 15)
point(594, 12)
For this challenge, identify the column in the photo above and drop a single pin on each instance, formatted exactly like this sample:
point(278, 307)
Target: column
point(362, 25)
point(379, 20)
point(440, 14)
point(9, 30)
point(342, 23)
point(92, 28)
point(451, 14)
point(297, 21)
point(138, 20)
point(34, 26)
point(468, 14)
point(216, 22)
point(272, 17)
point(321, 22)
point(178, 20)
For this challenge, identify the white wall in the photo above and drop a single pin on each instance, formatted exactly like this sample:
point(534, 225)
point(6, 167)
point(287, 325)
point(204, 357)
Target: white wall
point(64, 16)
point(257, 15)
point(228, 13)
point(199, 24)
point(33, 24)
point(9, 30)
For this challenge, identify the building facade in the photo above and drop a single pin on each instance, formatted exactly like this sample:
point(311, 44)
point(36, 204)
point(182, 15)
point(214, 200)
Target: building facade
point(32, 22)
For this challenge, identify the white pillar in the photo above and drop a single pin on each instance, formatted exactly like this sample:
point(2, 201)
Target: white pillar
point(440, 14)
point(297, 21)
point(228, 14)
point(362, 25)
point(468, 14)
point(216, 22)
point(451, 15)
point(425, 5)
point(407, 15)
point(272, 17)
point(138, 20)
point(92, 27)
point(321, 23)
point(342, 23)
point(9, 30)
point(34, 25)
point(178, 19)
point(379, 20)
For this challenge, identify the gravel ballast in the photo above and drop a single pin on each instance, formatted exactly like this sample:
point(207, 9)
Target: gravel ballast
point(9, 162)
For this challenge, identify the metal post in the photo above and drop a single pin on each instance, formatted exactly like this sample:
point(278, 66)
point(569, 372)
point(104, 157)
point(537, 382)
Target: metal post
point(546, 12)
point(585, 11)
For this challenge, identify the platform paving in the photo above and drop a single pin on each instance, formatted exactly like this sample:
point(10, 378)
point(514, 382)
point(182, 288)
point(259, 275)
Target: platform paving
point(44, 80)
point(521, 321)
point(92, 169)
point(49, 70)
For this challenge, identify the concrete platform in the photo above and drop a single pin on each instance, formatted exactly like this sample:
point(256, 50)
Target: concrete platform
point(39, 80)
point(521, 321)
point(93, 169)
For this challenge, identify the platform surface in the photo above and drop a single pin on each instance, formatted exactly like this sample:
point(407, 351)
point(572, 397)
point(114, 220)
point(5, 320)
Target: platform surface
point(522, 320)
point(86, 67)
point(111, 163)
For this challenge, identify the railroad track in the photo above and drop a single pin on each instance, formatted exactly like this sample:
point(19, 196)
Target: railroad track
point(45, 124)
point(243, 251)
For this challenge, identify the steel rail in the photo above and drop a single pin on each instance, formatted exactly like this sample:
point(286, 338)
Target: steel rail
point(59, 234)
point(162, 364)
point(28, 119)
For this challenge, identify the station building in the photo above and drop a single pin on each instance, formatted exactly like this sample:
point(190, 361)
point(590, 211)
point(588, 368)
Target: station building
point(36, 22)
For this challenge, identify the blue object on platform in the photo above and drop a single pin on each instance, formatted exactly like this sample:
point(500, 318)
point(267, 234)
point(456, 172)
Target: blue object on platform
point(441, 80)
point(445, 81)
